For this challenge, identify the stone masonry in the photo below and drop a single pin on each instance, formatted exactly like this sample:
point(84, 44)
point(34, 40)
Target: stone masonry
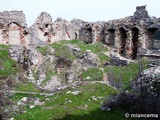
point(13, 28)
point(126, 35)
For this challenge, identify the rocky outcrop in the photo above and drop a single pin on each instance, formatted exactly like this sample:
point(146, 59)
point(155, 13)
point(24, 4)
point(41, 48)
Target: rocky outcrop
point(89, 60)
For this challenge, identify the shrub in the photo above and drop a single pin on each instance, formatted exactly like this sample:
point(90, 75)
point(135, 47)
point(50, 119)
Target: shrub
point(143, 96)
point(133, 103)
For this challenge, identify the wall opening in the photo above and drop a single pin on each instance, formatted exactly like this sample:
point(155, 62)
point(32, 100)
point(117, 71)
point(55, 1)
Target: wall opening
point(14, 34)
point(135, 33)
point(111, 37)
point(151, 34)
point(46, 25)
point(123, 37)
point(76, 36)
point(88, 35)
point(156, 39)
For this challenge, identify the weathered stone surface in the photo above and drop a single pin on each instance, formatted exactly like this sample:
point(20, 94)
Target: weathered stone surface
point(98, 32)
point(52, 84)
point(25, 56)
point(126, 35)
point(117, 60)
point(89, 60)
point(131, 33)
point(42, 29)
point(75, 50)
point(13, 28)
point(63, 30)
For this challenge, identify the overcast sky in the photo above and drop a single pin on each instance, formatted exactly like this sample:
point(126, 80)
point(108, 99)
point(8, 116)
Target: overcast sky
point(87, 10)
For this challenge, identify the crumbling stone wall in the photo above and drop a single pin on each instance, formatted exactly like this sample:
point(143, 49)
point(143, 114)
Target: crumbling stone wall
point(42, 29)
point(130, 33)
point(126, 35)
point(48, 31)
point(13, 28)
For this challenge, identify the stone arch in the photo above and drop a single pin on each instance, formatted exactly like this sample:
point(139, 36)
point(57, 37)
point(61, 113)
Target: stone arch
point(14, 33)
point(88, 35)
point(150, 33)
point(135, 42)
point(110, 37)
point(123, 37)
point(156, 41)
point(76, 36)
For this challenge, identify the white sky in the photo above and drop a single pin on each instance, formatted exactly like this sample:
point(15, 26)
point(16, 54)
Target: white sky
point(87, 10)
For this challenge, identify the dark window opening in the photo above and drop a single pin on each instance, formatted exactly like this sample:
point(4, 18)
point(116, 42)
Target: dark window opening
point(151, 35)
point(76, 37)
point(111, 37)
point(46, 34)
point(88, 35)
point(135, 33)
point(46, 25)
point(156, 39)
point(123, 37)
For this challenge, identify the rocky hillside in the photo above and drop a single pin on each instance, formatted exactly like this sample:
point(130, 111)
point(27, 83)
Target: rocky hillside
point(65, 70)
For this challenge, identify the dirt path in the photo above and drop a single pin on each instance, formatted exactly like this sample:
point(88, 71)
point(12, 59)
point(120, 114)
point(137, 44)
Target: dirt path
point(46, 94)
point(23, 92)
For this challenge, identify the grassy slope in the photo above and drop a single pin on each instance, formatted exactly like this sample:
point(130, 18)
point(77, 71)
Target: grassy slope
point(75, 110)
point(61, 50)
point(57, 109)
point(8, 66)
point(96, 48)
point(9, 69)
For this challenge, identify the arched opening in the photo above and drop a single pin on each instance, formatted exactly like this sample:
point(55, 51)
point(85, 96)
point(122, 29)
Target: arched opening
point(110, 37)
point(76, 36)
point(123, 37)
point(135, 33)
point(14, 36)
point(151, 35)
point(88, 35)
point(156, 41)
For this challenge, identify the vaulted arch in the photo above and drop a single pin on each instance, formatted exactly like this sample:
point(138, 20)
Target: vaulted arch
point(123, 37)
point(110, 37)
point(151, 35)
point(14, 34)
point(135, 42)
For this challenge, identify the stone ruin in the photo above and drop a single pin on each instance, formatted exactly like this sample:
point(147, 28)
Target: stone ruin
point(13, 28)
point(127, 35)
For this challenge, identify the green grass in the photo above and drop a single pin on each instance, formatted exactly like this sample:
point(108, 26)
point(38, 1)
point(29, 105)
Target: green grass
point(44, 50)
point(93, 74)
point(7, 65)
point(26, 87)
point(124, 74)
point(63, 51)
point(82, 107)
point(103, 58)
